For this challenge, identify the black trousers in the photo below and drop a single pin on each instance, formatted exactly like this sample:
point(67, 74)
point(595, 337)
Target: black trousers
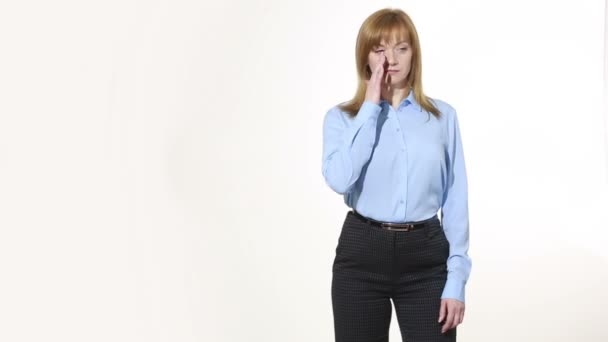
point(373, 266)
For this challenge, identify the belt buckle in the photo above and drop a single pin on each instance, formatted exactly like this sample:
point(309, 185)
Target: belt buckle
point(403, 227)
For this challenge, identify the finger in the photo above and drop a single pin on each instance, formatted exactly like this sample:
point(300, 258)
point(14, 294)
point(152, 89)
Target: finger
point(382, 71)
point(441, 311)
point(379, 70)
point(456, 320)
point(381, 62)
point(385, 67)
point(449, 318)
point(374, 72)
point(378, 74)
point(373, 75)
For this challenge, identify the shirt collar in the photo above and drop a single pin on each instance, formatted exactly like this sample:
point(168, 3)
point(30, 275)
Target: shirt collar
point(409, 100)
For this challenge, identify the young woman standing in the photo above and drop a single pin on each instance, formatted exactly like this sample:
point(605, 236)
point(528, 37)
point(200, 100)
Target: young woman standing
point(397, 158)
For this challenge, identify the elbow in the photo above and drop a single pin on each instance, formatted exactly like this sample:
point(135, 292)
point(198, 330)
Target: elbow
point(338, 188)
point(339, 183)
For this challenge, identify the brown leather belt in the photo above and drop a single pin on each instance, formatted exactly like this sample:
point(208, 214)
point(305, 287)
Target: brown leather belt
point(394, 226)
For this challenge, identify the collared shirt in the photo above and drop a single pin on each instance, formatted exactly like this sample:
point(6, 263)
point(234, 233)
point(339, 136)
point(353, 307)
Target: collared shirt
point(402, 165)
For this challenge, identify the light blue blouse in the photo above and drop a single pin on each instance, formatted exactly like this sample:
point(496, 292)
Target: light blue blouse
point(401, 165)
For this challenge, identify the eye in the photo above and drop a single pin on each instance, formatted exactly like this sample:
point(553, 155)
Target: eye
point(378, 51)
point(403, 49)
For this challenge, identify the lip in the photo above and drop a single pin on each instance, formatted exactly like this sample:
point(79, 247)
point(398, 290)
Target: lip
point(392, 70)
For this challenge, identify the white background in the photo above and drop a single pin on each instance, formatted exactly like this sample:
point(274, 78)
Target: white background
point(160, 165)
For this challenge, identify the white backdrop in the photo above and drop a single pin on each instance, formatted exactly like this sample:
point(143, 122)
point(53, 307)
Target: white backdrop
point(160, 165)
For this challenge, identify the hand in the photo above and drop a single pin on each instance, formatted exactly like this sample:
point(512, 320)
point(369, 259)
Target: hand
point(453, 312)
point(374, 84)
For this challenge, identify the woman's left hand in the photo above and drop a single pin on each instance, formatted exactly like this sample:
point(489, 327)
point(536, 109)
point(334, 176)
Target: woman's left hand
point(453, 312)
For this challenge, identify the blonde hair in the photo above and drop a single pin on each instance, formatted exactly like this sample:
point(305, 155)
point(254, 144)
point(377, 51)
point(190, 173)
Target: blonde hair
point(382, 25)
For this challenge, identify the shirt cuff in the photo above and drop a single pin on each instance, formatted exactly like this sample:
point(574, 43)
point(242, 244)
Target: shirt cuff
point(367, 110)
point(454, 288)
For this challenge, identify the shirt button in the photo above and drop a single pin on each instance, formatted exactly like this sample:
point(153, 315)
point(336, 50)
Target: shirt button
point(403, 149)
point(401, 201)
point(398, 129)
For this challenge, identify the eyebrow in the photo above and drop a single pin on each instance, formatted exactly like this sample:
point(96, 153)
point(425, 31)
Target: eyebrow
point(380, 44)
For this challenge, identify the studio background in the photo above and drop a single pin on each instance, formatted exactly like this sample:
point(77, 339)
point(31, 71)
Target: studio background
point(160, 165)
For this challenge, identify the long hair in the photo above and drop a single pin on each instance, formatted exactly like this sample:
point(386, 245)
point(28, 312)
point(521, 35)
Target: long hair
point(387, 24)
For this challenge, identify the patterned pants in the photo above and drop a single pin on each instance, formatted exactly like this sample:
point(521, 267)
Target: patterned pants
point(373, 266)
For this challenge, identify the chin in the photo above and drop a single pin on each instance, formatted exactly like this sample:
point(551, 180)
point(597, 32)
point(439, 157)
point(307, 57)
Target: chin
point(397, 81)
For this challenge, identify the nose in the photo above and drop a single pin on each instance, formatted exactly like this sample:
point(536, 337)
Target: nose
point(390, 56)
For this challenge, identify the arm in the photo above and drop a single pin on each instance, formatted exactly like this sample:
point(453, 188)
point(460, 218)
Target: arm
point(347, 145)
point(454, 212)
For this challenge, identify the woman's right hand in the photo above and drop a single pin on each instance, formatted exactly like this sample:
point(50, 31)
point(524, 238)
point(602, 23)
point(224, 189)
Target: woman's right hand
point(374, 84)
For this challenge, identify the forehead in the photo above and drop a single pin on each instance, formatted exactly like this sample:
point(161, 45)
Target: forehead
point(393, 37)
point(383, 43)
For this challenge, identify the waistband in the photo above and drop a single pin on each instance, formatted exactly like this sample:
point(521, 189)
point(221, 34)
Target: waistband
point(397, 226)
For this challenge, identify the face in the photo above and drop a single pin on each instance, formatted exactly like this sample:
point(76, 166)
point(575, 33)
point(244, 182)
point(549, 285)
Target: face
point(398, 57)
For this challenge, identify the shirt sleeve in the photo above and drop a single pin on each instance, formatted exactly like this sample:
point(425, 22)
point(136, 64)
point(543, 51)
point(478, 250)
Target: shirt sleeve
point(348, 145)
point(455, 215)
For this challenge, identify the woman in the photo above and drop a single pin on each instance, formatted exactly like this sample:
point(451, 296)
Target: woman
point(396, 156)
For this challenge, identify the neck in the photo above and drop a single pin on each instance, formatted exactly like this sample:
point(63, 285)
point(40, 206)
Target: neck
point(395, 95)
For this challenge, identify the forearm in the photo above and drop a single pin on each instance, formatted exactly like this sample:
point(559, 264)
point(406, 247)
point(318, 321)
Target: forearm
point(455, 214)
point(348, 145)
